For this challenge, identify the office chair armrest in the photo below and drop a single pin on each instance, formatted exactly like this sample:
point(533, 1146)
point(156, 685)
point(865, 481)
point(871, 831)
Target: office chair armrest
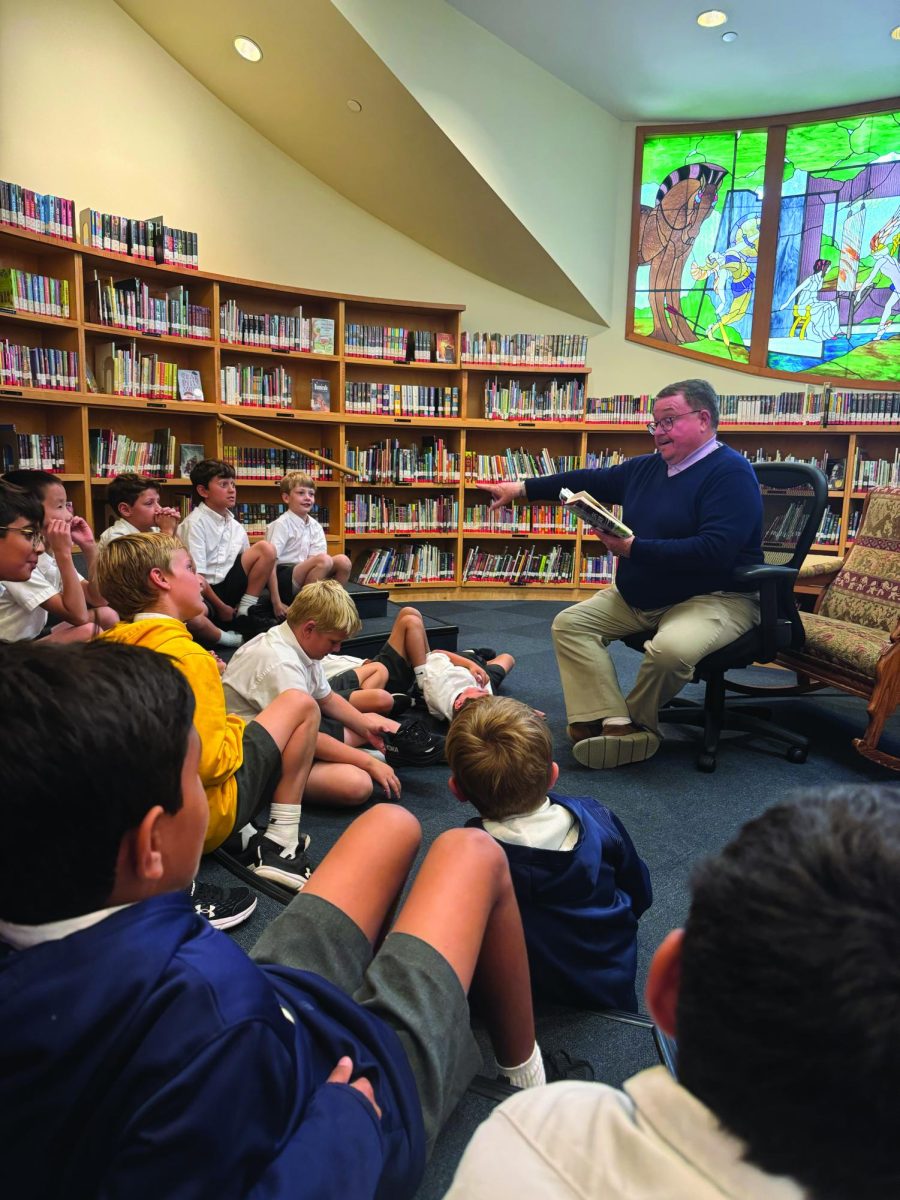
point(776, 600)
point(761, 571)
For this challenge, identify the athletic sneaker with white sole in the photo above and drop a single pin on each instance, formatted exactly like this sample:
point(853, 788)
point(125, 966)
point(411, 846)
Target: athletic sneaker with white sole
point(223, 907)
point(290, 868)
point(413, 745)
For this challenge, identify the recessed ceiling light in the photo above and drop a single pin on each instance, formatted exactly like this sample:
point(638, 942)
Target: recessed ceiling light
point(895, 33)
point(711, 18)
point(247, 48)
point(730, 36)
point(354, 106)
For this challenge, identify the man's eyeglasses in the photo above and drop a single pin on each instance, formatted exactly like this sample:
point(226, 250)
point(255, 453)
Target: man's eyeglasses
point(666, 423)
point(35, 536)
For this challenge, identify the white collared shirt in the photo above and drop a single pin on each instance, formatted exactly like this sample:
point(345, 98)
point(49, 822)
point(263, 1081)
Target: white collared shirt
point(295, 539)
point(441, 682)
point(23, 937)
point(121, 528)
point(550, 827)
point(698, 454)
point(265, 667)
point(22, 616)
point(214, 541)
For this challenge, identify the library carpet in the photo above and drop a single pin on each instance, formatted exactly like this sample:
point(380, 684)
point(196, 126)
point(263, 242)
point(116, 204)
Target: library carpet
point(675, 814)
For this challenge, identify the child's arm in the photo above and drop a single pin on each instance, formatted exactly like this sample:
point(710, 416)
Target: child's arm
point(478, 673)
point(167, 519)
point(224, 611)
point(369, 726)
point(279, 608)
point(70, 603)
point(83, 537)
point(329, 749)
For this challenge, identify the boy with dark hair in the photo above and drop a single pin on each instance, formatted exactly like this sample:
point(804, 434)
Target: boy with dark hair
point(141, 1052)
point(782, 990)
point(580, 883)
point(21, 535)
point(233, 572)
point(54, 589)
point(244, 765)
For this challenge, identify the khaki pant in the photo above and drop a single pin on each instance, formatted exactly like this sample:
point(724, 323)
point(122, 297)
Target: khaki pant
point(680, 636)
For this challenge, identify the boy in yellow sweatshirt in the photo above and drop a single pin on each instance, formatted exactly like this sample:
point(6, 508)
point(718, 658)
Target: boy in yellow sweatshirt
point(243, 765)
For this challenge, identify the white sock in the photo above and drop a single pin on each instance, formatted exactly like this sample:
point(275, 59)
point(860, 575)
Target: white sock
point(284, 825)
point(245, 603)
point(230, 638)
point(527, 1074)
point(419, 673)
point(616, 721)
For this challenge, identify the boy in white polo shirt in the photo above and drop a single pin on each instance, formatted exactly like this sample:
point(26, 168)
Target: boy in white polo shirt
point(234, 573)
point(299, 543)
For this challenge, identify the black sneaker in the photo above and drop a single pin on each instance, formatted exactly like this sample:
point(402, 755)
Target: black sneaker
point(289, 868)
point(413, 745)
point(248, 625)
point(242, 846)
point(486, 653)
point(559, 1064)
point(403, 702)
point(223, 907)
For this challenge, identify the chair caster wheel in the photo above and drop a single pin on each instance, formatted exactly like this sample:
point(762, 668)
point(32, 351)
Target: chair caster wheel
point(796, 754)
point(706, 763)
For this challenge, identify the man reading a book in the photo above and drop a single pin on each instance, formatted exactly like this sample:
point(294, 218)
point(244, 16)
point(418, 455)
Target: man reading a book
point(694, 506)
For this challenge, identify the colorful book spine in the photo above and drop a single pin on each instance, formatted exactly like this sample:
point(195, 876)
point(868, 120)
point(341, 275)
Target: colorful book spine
point(401, 400)
point(388, 462)
point(38, 367)
point(23, 291)
point(365, 513)
point(53, 216)
point(524, 349)
point(272, 463)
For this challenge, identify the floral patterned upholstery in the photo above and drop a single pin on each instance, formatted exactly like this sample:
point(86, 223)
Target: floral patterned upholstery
point(854, 648)
point(866, 590)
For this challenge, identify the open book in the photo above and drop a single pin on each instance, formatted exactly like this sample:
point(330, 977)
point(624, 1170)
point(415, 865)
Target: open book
point(593, 513)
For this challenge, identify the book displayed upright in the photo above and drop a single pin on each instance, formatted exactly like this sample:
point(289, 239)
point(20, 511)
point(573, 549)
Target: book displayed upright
point(320, 395)
point(190, 386)
point(321, 334)
point(593, 513)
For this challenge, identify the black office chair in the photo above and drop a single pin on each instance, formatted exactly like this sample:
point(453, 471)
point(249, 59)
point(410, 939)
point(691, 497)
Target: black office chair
point(794, 497)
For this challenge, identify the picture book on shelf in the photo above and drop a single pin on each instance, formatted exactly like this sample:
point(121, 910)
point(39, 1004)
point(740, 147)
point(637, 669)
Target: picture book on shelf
point(320, 395)
point(321, 331)
point(189, 385)
point(444, 348)
point(593, 513)
point(191, 454)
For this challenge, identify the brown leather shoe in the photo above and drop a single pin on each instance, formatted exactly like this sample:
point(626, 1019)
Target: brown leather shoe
point(585, 729)
point(619, 730)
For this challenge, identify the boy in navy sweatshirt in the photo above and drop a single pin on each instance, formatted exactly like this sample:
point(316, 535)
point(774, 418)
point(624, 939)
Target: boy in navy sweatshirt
point(580, 883)
point(142, 1052)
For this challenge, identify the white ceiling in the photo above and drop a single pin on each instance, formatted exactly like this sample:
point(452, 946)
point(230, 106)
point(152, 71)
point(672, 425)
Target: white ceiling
point(648, 60)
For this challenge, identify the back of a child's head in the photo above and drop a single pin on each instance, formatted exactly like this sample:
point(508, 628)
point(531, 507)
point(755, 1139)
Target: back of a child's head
point(208, 469)
point(126, 489)
point(788, 1016)
point(15, 502)
point(94, 735)
point(296, 479)
point(329, 605)
point(500, 752)
point(122, 570)
point(35, 482)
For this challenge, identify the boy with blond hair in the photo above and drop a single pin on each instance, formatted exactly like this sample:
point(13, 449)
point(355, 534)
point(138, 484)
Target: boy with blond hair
point(243, 765)
point(579, 880)
point(299, 543)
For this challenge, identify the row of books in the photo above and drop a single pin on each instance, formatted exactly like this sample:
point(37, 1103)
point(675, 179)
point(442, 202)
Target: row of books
point(513, 464)
point(524, 349)
point(401, 400)
point(130, 304)
point(829, 533)
point(598, 568)
point(38, 367)
point(398, 344)
point(31, 451)
point(551, 401)
point(388, 462)
point(365, 513)
point(255, 517)
point(600, 459)
point(27, 292)
point(875, 472)
point(783, 528)
point(261, 387)
point(270, 463)
point(525, 564)
point(813, 409)
point(277, 331)
point(519, 519)
point(432, 347)
point(123, 370)
point(414, 563)
point(151, 240)
point(37, 212)
point(114, 453)
point(864, 408)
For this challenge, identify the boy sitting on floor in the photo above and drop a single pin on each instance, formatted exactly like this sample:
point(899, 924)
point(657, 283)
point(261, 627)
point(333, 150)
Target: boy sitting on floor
point(135, 501)
point(243, 766)
point(54, 590)
point(234, 573)
point(580, 883)
point(288, 656)
point(142, 1053)
point(299, 543)
point(782, 992)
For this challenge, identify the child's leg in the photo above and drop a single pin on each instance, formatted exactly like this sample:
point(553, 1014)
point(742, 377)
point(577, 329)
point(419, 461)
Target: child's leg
point(98, 619)
point(340, 568)
point(292, 721)
point(463, 905)
point(203, 630)
point(312, 569)
point(372, 700)
point(371, 674)
point(258, 563)
point(339, 785)
point(408, 636)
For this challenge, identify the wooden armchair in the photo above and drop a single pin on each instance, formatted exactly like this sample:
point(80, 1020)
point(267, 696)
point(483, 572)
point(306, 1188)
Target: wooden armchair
point(853, 635)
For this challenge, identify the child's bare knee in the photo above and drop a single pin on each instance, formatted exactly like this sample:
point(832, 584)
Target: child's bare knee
point(475, 847)
point(395, 822)
point(266, 552)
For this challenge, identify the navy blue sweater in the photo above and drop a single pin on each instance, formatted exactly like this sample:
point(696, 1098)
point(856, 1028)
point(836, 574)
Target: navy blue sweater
point(691, 530)
point(580, 909)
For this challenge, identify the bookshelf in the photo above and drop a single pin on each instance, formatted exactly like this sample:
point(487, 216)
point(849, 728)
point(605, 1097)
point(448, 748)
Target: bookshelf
point(421, 434)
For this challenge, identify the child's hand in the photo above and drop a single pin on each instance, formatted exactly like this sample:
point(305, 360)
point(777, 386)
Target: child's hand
point(478, 674)
point(384, 777)
point(57, 537)
point(279, 608)
point(167, 519)
point(374, 725)
point(81, 533)
point(342, 1073)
